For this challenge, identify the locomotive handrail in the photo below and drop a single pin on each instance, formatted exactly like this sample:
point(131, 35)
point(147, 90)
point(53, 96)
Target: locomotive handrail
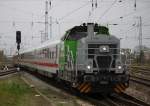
point(94, 54)
point(71, 60)
point(98, 48)
point(70, 56)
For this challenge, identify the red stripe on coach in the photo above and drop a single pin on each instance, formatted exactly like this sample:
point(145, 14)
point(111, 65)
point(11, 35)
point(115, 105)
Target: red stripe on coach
point(46, 64)
point(42, 64)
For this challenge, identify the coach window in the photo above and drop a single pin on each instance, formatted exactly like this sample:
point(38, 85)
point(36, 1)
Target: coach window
point(46, 53)
point(54, 54)
point(40, 53)
point(47, 56)
point(50, 54)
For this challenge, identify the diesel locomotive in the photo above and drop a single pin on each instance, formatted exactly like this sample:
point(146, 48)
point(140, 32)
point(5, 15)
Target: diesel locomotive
point(87, 58)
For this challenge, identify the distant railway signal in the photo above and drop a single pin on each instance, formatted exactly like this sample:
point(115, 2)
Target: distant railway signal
point(18, 37)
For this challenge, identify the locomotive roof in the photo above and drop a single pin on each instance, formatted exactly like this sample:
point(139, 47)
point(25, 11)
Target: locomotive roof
point(44, 45)
point(82, 29)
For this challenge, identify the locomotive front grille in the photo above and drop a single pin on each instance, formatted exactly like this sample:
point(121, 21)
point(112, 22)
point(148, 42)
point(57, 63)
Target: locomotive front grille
point(103, 62)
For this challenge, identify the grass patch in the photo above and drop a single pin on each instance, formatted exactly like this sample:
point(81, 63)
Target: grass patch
point(13, 91)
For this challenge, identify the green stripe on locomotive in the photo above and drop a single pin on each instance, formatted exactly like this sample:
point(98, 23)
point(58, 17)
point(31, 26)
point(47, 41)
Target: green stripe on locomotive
point(72, 45)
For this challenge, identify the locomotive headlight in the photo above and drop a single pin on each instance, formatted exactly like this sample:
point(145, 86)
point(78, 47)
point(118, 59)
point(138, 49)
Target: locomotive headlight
point(104, 48)
point(119, 67)
point(88, 67)
point(122, 53)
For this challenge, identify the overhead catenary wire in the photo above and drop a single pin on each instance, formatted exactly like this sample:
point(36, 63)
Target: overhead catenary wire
point(129, 14)
point(107, 10)
point(60, 19)
point(72, 12)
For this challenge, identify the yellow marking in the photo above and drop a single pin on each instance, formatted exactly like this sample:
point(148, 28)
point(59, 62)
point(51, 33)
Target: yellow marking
point(119, 88)
point(88, 90)
point(81, 86)
point(85, 87)
point(123, 86)
point(116, 90)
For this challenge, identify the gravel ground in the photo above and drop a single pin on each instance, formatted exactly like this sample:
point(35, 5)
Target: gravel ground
point(55, 96)
point(138, 91)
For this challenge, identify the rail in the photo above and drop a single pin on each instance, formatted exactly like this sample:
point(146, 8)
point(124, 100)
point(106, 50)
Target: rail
point(127, 100)
point(10, 71)
point(140, 80)
point(140, 75)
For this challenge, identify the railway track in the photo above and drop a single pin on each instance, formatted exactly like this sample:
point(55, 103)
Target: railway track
point(10, 71)
point(127, 100)
point(140, 80)
point(114, 100)
point(140, 75)
point(97, 99)
point(139, 69)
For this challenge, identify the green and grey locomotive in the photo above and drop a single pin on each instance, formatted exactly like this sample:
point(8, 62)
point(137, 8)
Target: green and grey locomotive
point(87, 58)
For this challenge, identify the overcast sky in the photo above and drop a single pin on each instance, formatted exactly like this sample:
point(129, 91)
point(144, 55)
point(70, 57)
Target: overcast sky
point(28, 17)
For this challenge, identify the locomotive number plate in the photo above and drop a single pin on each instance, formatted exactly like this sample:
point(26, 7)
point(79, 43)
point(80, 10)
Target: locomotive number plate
point(103, 82)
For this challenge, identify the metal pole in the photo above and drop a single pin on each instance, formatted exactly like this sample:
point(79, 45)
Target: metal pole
point(46, 21)
point(140, 40)
point(50, 26)
point(140, 33)
point(41, 36)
